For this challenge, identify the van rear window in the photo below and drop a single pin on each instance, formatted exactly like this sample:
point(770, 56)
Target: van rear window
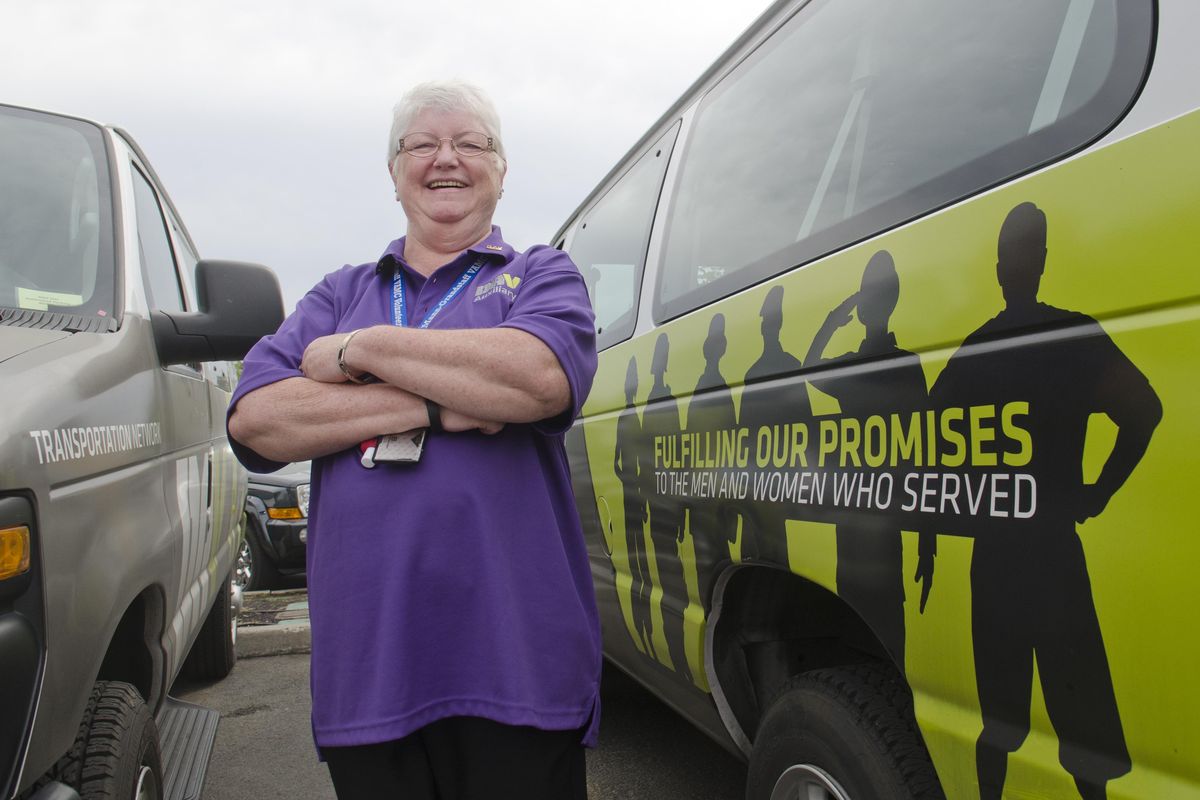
point(860, 115)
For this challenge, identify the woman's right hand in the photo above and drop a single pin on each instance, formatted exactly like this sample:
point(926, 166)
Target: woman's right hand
point(456, 422)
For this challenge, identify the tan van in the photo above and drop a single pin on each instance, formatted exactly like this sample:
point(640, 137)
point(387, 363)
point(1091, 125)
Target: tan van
point(120, 500)
point(886, 466)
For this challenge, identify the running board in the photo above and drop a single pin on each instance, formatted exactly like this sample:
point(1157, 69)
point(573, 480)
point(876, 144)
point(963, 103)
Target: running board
point(186, 733)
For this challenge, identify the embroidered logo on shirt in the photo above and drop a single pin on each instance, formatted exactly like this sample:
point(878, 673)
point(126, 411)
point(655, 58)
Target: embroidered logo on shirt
point(505, 284)
point(493, 247)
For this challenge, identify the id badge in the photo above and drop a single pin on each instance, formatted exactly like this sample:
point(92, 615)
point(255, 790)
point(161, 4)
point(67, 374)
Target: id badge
point(396, 448)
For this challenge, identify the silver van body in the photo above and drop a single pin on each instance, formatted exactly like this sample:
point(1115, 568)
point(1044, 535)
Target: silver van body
point(116, 368)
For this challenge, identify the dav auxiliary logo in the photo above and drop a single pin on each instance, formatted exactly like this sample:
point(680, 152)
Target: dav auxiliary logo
point(504, 284)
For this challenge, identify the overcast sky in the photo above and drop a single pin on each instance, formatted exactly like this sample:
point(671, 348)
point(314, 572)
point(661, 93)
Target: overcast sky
point(267, 119)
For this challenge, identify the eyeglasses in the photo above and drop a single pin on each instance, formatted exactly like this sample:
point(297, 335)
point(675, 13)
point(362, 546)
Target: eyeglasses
point(426, 145)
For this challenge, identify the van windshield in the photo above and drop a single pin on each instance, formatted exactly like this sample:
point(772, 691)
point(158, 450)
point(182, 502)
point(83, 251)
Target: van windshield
point(56, 229)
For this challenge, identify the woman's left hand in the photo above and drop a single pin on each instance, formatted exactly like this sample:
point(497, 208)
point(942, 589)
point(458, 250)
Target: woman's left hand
point(319, 362)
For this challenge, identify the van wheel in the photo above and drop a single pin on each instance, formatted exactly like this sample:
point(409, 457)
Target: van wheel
point(215, 651)
point(118, 747)
point(116, 752)
point(841, 734)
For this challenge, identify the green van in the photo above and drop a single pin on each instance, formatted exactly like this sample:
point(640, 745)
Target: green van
point(886, 465)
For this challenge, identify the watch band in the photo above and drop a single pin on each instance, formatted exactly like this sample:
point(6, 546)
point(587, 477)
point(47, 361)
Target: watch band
point(435, 416)
point(341, 358)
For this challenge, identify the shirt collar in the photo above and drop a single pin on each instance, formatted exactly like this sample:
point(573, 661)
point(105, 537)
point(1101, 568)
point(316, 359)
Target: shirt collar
point(493, 246)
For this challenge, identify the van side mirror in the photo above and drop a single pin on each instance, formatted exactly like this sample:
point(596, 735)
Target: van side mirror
point(239, 304)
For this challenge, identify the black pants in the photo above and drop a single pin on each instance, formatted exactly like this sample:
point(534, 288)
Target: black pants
point(463, 758)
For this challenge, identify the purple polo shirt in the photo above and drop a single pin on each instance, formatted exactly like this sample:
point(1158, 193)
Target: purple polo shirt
point(459, 585)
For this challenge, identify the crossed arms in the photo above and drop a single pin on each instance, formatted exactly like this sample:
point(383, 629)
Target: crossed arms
point(482, 379)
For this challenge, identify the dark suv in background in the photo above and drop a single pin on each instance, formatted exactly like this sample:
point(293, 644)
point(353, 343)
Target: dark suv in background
point(276, 528)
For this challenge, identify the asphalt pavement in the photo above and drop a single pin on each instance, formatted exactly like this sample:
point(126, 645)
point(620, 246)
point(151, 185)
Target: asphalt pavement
point(264, 744)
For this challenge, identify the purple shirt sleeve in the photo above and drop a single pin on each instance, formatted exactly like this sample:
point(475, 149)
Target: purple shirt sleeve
point(553, 305)
point(277, 357)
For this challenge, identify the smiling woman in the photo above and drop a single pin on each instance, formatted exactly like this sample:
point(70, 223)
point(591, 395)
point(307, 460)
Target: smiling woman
point(448, 167)
point(456, 643)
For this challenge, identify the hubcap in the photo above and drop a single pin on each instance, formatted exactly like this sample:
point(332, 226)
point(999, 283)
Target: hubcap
point(236, 600)
point(245, 565)
point(807, 782)
point(147, 785)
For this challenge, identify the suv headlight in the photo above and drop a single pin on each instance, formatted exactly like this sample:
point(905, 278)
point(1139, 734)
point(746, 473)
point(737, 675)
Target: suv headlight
point(302, 498)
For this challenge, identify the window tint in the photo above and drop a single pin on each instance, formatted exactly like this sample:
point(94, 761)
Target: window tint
point(858, 115)
point(610, 245)
point(158, 263)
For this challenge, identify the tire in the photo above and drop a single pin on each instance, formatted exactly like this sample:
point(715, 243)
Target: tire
point(215, 651)
point(842, 734)
point(254, 570)
point(116, 752)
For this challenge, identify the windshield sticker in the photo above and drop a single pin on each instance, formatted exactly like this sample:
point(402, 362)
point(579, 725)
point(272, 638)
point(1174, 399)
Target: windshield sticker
point(72, 444)
point(39, 300)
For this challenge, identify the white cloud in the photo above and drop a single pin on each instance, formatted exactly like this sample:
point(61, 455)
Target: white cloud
point(267, 119)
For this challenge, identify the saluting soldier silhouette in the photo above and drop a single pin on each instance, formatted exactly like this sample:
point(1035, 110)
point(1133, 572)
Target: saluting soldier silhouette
point(1031, 595)
point(661, 418)
point(630, 465)
point(879, 378)
point(780, 403)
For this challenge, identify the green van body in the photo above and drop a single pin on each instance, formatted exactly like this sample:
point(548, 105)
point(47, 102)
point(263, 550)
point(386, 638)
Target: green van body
point(956, 449)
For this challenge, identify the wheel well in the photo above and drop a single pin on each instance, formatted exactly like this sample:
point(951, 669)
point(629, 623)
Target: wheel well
point(134, 654)
point(768, 625)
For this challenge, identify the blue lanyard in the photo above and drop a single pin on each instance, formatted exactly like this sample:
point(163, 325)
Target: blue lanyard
point(400, 309)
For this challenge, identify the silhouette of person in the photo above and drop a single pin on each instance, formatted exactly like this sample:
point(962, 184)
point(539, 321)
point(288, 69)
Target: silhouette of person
point(629, 463)
point(869, 548)
point(711, 410)
point(661, 418)
point(1031, 595)
point(764, 524)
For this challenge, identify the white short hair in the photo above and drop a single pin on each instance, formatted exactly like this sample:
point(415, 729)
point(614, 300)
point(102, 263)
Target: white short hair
point(444, 95)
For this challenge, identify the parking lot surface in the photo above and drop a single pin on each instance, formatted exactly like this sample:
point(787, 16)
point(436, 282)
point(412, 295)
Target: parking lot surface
point(264, 744)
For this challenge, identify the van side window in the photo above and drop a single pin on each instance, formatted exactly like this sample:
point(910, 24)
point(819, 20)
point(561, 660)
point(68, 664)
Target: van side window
point(859, 115)
point(610, 244)
point(158, 263)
